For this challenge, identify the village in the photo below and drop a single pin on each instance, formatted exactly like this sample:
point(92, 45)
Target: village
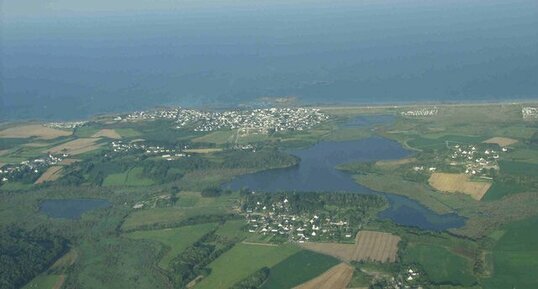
point(529, 112)
point(29, 169)
point(262, 120)
point(66, 125)
point(477, 159)
point(165, 152)
point(474, 159)
point(421, 112)
point(276, 222)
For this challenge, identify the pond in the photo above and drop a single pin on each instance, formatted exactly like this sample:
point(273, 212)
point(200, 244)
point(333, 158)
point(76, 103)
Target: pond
point(71, 208)
point(317, 172)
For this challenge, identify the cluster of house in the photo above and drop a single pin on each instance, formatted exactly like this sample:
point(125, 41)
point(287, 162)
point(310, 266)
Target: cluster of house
point(66, 125)
point(276, 219)
point(409, 278)
point(168, 153)
point(529, 112)
point(411, 274)
point(421, 112)
point(245, 147)
point(36, 166)
point(261, 120)
point(475, 158)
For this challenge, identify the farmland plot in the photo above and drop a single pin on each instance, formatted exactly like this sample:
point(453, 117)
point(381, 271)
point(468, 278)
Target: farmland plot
point(51, 174)
point(337, 277)
point(33, 130)
point(369, 246)
point(459, 183)
point(76, 147)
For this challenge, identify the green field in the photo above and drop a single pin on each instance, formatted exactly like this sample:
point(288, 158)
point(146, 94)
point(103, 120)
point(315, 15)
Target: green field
point(241, 261)
point(498, 190)
point(519, 168)
point(233, 229)
point(87, 130)
point(441, 265)
point(43, 282)
point(167, 216)
point(440, 143)
point(298, 268)
point(524, 154)
point(217, 137)
point(131, 178)
point(117, 262)
point(175, 239)
point(127, 132)
point(515, 257)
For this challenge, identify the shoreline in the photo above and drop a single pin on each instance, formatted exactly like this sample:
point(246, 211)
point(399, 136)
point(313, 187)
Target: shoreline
point(328, 107)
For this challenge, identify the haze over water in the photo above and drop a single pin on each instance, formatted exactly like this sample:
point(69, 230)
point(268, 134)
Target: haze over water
point(65, 59)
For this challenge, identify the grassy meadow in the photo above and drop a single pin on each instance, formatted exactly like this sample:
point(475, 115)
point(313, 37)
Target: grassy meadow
point(441, 265)
point(131, 178)
point(241, 261)
point(175, 240)
point(298, 268)
point(515, 257)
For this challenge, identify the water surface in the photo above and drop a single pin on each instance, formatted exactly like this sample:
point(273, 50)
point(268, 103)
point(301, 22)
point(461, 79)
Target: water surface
point(316, 172)
point(71, 208)
point(70, 59)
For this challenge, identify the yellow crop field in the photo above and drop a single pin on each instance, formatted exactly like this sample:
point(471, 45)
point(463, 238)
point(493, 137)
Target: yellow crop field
point(33, 130)
point(369, 246)
point(75, 147)
point(502, 141)
point(459, 183)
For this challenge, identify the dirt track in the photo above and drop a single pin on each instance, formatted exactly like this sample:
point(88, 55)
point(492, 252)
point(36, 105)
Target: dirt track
point(336, 278)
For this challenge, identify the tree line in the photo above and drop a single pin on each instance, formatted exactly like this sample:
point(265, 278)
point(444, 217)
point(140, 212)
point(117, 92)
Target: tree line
point(25, 254)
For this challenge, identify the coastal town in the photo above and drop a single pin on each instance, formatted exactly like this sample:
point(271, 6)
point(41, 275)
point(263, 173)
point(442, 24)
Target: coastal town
point(262, 120)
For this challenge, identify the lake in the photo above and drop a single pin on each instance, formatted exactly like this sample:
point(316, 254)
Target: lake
point(74, 59)
point(317, 172)
point(71, 208)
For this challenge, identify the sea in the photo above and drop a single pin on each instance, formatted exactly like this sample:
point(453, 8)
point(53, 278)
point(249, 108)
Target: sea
point(63, 60)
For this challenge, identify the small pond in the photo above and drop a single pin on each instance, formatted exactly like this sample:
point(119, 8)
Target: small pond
point(70, 208)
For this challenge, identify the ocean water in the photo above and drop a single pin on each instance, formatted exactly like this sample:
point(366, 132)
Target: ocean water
point(72, 59)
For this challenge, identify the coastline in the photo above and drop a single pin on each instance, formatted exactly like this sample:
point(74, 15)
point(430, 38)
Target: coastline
point(326, 107)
